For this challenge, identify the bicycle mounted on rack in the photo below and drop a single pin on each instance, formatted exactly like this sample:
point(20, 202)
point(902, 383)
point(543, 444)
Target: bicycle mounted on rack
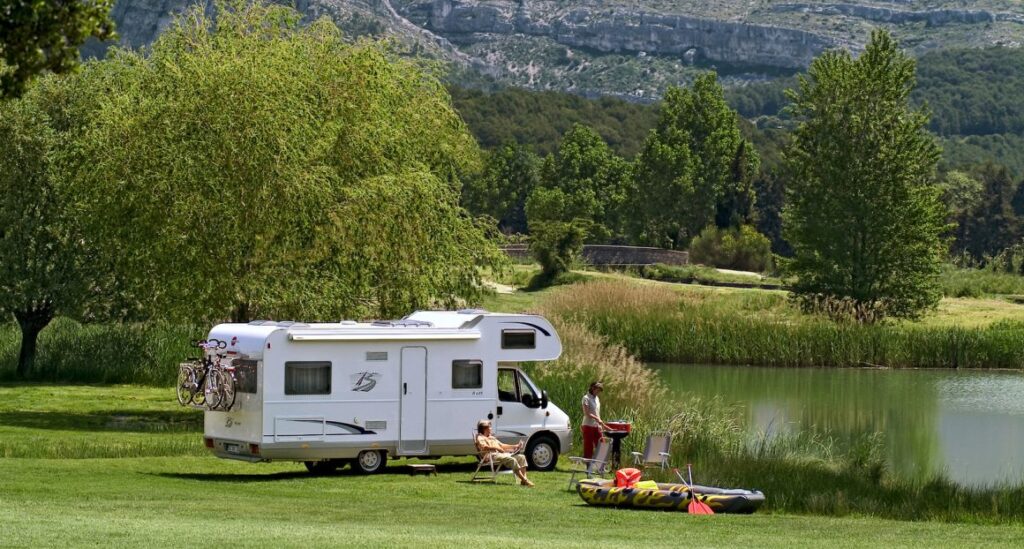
point(209, 381)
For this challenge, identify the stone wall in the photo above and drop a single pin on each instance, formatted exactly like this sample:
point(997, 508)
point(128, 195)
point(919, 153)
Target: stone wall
point(614, 256)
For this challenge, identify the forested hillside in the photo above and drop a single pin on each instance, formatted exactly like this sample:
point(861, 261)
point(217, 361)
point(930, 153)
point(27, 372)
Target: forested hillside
point(976, 98)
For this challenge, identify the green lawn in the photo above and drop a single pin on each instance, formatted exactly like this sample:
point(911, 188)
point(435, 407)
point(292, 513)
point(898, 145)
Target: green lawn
point(175, 501)
point(177, 495)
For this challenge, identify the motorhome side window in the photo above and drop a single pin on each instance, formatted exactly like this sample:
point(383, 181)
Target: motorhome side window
point(518, 339)
point(307, 378)
point(245, 376)
point(467, 374)
point(508, 390)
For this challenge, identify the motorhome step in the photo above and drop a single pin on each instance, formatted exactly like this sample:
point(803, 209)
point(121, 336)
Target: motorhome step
point(422, 469)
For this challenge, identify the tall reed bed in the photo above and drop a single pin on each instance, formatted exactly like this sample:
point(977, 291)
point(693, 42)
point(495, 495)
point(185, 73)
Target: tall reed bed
point(957, 282)
point(145, 354)
point(658, 324)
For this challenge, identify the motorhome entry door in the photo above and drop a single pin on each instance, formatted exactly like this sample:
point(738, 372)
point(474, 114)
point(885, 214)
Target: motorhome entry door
point(412, 432)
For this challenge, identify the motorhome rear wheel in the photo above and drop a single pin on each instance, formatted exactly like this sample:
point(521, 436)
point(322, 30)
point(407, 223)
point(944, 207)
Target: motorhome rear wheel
point(370, 461)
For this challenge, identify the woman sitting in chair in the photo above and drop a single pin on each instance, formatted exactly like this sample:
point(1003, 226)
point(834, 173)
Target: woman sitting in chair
point(505, 454)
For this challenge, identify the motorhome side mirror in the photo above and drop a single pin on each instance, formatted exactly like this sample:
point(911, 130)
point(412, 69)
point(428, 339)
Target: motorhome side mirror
point(529, 401)
point(544, 400)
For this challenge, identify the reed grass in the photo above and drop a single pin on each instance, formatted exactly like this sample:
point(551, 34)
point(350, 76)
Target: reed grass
point(139, 353)
point(761, 328)
point(957, 282)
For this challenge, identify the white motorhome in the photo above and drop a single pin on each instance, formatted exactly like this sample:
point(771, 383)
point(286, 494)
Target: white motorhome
point(358, 393)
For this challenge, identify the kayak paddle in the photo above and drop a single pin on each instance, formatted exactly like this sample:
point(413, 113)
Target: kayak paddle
point(695, 506)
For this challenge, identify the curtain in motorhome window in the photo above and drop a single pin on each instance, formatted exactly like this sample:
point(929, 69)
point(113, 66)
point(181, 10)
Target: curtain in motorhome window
point(518, 339)
point(245, 376)
point(467, 374)
point(307, 378)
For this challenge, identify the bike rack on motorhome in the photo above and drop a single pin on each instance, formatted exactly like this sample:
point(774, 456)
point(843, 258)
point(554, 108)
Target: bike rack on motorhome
point(359, 393)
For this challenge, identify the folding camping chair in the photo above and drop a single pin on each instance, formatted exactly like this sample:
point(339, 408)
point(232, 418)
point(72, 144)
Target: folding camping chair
point(486, 459)
point(655, 452)
point(595, 466)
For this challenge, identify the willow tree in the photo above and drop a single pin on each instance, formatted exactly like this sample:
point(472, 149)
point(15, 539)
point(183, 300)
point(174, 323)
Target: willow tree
point(253, 166)
point(47, 268)
point(864, 215)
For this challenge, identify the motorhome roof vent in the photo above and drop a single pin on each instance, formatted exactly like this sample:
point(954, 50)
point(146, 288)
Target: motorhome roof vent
point(472, 311)
point(348, 322)
point(292, 324)
point(262, 323)
point(404, 323)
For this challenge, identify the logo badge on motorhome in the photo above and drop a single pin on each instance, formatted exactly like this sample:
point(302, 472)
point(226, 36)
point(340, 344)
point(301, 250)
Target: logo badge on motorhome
point(364, 381)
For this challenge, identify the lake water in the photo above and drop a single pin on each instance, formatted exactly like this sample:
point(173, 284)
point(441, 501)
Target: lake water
point(969, 425)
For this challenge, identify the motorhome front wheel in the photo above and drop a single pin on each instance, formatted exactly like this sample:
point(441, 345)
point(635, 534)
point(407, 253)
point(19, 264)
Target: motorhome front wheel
point(324, 467)
point(370, 461)
point(542, 453)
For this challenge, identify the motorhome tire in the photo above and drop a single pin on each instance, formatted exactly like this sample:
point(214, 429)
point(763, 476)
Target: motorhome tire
point(370, 461)
point(325, 467)
point(542, 453)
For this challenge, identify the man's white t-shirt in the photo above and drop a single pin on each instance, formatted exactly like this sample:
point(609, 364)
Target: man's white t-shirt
point(593, 404)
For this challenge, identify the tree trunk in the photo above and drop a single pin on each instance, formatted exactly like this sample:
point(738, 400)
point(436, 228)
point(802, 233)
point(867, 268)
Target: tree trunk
point(240, 314)
point(32, 321)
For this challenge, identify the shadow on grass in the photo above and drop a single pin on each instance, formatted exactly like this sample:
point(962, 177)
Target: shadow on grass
point(239, 478)
point(135, 421)
point(397, 470)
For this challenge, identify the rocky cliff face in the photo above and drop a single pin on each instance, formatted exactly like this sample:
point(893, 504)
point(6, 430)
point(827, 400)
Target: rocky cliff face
point(621, 30)
point(632, 48)
point(899, 16)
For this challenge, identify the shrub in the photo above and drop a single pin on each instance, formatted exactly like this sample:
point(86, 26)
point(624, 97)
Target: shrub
point(737, 248)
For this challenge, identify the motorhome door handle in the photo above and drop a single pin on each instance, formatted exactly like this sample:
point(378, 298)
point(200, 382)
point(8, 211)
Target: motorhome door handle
point(499, 410)
point(405, 388)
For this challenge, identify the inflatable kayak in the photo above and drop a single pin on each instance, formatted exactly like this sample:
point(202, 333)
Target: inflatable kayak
point(672, 497)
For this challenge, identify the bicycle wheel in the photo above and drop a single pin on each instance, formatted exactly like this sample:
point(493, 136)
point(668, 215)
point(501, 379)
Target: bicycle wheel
point(211, 389)
point(186, 384)
point(227, 390)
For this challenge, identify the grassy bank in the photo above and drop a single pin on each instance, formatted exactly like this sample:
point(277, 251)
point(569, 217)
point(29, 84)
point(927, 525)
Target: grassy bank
point(658, 323)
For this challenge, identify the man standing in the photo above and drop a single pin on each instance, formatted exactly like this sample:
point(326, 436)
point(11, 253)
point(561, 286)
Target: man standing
point(592, 423)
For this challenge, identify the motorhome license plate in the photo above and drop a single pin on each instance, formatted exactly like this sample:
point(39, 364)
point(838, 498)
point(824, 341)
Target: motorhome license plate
point(232, 448)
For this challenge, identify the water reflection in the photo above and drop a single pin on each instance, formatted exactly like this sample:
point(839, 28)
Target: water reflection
point(969, 425)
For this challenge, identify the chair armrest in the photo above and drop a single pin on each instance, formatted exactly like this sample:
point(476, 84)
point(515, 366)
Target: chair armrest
point(663, 454)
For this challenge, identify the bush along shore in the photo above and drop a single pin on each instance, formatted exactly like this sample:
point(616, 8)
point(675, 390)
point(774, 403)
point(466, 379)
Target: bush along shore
point(658, 324)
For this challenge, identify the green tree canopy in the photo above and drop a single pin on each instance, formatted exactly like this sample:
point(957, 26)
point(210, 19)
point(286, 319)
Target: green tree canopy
point(863, 212)
point(594, 181)
point(248, 165)
point(37, 36)
point(695, 168)
point(986, 222)
point(510, 173)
